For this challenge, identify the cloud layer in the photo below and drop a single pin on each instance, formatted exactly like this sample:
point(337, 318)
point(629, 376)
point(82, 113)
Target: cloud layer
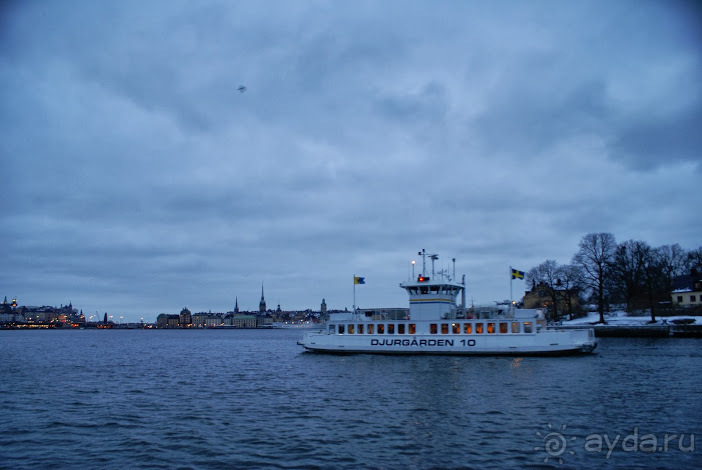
point(139, 179)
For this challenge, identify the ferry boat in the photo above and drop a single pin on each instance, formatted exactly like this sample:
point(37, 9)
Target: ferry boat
point(436, 325)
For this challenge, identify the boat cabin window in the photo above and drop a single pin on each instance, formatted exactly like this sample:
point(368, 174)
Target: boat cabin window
point(478, 328)
point(391, 329)
point(455, 328)
point(381, 329)
point(515, 327)
point(434, 289)
point(527, 327)
point(351, 329)
point(401, 329)
point(332, 329)
point(412, 328)
point(424, 290)
point(360, 329)
point(370, 329)
point(444, 328)
point(503, 327)
point(491, 328)
point(432, 328)
point(467, 328)
point(341, 329)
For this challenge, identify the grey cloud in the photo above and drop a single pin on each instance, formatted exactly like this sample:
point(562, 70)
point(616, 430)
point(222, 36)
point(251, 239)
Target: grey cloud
point(495, 133)
point(650, 140)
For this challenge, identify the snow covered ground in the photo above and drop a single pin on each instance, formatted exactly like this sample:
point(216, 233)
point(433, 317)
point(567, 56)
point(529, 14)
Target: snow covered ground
point(621, 318)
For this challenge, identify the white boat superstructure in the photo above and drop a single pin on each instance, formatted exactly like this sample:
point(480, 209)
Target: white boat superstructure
point(436, 325)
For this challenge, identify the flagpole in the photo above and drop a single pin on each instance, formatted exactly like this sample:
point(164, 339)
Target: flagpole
point(511, 278)
point(354, 293)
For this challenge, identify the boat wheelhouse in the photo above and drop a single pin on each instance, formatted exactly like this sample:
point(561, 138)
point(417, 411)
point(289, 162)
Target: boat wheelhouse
point(436, 325)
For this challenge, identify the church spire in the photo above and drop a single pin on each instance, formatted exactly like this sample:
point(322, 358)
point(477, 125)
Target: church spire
point(236, 305)
point(262, 303)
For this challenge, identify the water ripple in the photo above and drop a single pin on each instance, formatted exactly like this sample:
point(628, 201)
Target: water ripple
point(251, 399)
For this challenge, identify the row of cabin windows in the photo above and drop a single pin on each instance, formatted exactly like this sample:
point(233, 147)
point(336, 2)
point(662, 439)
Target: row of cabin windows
point(433, 290)
point(370, 329)
point(480, 328)
point(434, 328)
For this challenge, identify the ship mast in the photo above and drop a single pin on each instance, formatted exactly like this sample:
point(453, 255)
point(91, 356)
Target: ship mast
point(432, 256)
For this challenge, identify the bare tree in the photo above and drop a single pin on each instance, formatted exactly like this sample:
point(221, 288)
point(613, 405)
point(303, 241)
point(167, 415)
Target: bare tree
point(673, 260)
point(570, 278)
point(653, 280)
point(627, 271)
point(595, 258)
point(693, 262)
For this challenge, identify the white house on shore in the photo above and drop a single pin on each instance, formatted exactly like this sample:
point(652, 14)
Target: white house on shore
point(687, 290)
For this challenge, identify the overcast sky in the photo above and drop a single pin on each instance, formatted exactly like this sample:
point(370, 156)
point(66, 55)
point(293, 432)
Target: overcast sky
point(137, 179)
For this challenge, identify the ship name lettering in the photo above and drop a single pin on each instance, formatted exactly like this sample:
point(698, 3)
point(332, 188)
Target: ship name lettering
point(392, 342)
point(413, 342)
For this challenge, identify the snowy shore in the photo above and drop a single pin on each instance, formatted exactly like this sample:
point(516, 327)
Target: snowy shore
point(620, 318)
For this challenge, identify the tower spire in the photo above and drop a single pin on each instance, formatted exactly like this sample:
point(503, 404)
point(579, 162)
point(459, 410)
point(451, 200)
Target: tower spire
point(262, 303)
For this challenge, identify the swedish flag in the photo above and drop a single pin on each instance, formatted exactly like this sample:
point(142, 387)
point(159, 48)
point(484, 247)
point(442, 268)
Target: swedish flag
point(516, 274)
point(359, 280)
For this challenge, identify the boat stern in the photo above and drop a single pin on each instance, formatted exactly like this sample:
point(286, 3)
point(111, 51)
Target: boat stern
point(584, 339)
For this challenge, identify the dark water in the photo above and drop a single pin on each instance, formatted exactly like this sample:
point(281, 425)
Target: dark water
point(252, 399)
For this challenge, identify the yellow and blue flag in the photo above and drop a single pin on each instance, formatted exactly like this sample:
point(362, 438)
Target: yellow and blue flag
point(359, 280)
point(516, 274)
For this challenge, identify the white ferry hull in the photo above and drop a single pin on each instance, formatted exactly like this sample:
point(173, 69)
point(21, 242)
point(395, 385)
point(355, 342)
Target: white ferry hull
point(548, 342)
point(434, 325)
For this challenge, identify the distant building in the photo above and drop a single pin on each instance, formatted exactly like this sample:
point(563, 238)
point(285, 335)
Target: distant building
point(687, 290)
point(236, 305)
point(323, 307)
point(5, 307)
point(243, 321)
point(541, 297)
point(10, 315)
point(185, 319)
point(199, 320)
